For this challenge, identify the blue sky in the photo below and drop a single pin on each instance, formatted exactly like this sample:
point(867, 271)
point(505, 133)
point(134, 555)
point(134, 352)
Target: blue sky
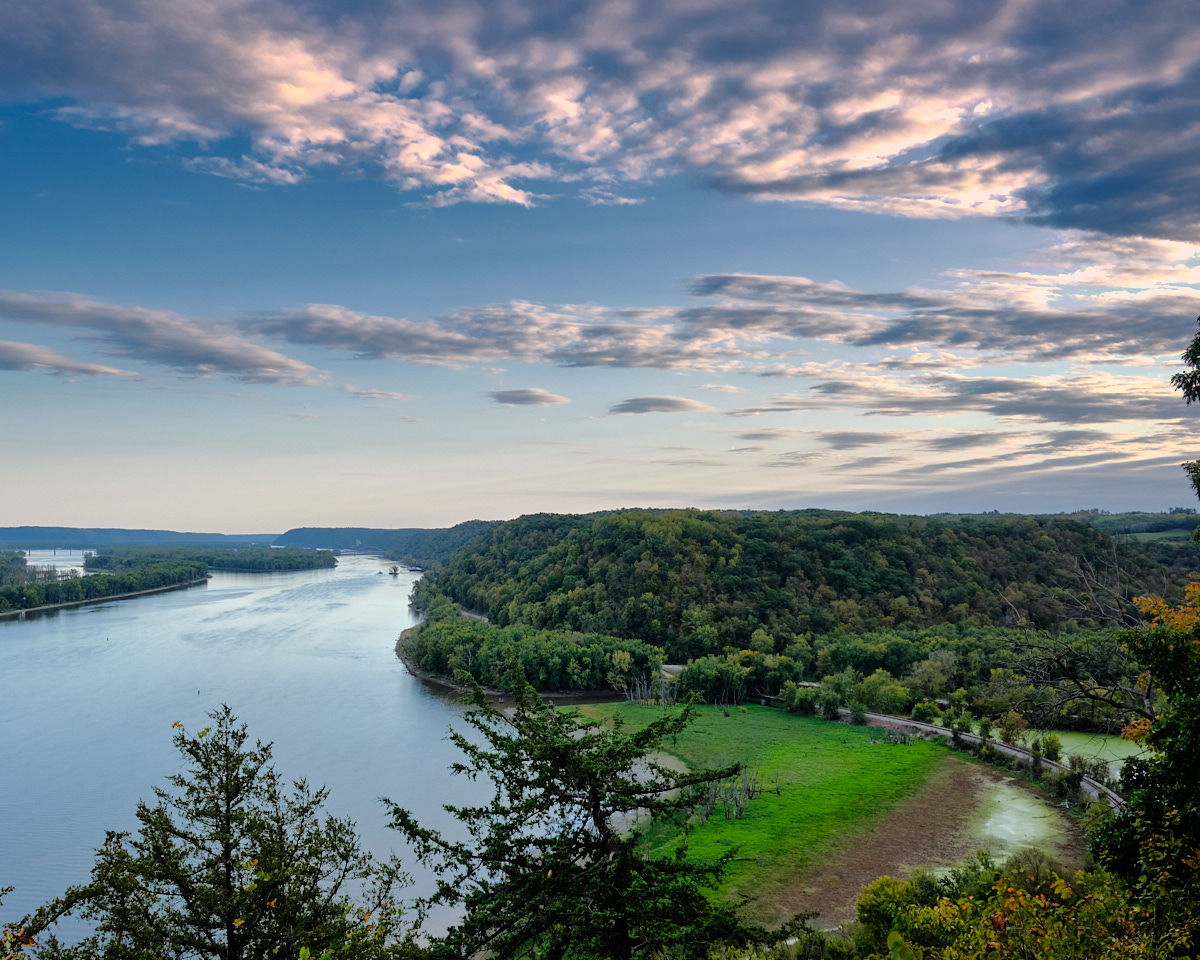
point(388, 263)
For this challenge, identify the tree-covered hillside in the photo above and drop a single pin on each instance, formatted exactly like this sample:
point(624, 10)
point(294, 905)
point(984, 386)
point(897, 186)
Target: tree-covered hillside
point(696, 583)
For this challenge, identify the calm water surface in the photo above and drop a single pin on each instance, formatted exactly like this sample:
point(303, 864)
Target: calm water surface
point(305, 658)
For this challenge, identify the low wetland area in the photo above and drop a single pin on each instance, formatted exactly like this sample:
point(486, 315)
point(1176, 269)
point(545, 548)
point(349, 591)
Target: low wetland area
point(836, 806)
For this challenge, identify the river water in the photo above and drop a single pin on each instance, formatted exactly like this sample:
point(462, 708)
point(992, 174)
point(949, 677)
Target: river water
point(305, 658)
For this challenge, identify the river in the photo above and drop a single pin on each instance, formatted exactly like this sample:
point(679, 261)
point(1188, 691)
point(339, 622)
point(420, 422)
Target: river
point(306, 658)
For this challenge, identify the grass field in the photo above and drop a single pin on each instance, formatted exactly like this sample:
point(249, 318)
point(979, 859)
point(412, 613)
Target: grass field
point(1160, 535)
point(833, 784)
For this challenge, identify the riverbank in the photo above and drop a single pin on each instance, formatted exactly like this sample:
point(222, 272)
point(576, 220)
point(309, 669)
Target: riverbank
point(22, 614)
point(561, 698)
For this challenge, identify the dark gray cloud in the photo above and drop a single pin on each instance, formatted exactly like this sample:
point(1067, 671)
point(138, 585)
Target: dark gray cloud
point(772, 433)
point(531, 396)
point(963, 441)
point(658, 405)
point(868, 463)
point(195, 347)
point(1065, 112)
point(854, 439)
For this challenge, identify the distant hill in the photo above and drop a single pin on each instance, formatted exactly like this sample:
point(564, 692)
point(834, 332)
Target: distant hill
point(417, 546)
point(42, 538)
point(338, 538)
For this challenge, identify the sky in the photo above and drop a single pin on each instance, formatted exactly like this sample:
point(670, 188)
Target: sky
point(399, 263)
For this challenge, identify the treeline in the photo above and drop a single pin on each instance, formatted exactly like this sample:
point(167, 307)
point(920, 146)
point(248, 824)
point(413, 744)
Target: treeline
point(448, 642)
point(700, 583)
point(947, 671)
point(15, 571)
point(120, 559)
point(147, 576)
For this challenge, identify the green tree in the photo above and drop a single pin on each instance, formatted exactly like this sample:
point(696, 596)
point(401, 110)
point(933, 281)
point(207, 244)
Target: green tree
point(1153, 841)
point(229, 864)
point(557, 864)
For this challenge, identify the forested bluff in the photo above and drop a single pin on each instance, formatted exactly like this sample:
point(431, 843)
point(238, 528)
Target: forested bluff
point(883, 609)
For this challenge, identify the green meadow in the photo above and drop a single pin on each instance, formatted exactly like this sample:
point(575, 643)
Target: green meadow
point(832, 781)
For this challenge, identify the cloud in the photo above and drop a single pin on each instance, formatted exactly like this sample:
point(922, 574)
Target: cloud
point(853, 439)
point(773, 433)
point(30, 356)
point(987, 318)
point(952, 442)
point(721, 387)
point(195, 347)
point(1079, 399)
point(532, 396)
point(658, 405)
point(569, 336)
point(362, 394)
point(1042, 109)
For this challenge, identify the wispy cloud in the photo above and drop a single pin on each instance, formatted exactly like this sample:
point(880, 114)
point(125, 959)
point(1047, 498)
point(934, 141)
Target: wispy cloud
point(530, 396)
point(195, 347)
point(658, 405)
point(31, 356)
point(854, 439)
point(928, 110)
point(570, 335)
point(1079, 399)
point(773, 433)
point(363, 394)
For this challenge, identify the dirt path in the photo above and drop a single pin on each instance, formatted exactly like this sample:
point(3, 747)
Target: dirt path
point(941, 825)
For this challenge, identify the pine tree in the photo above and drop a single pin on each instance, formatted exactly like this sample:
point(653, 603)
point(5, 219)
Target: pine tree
point(231, 865)
point(557, 864)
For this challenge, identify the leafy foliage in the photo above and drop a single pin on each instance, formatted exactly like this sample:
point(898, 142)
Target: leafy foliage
point(1154, 840)
point(1028, 910)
